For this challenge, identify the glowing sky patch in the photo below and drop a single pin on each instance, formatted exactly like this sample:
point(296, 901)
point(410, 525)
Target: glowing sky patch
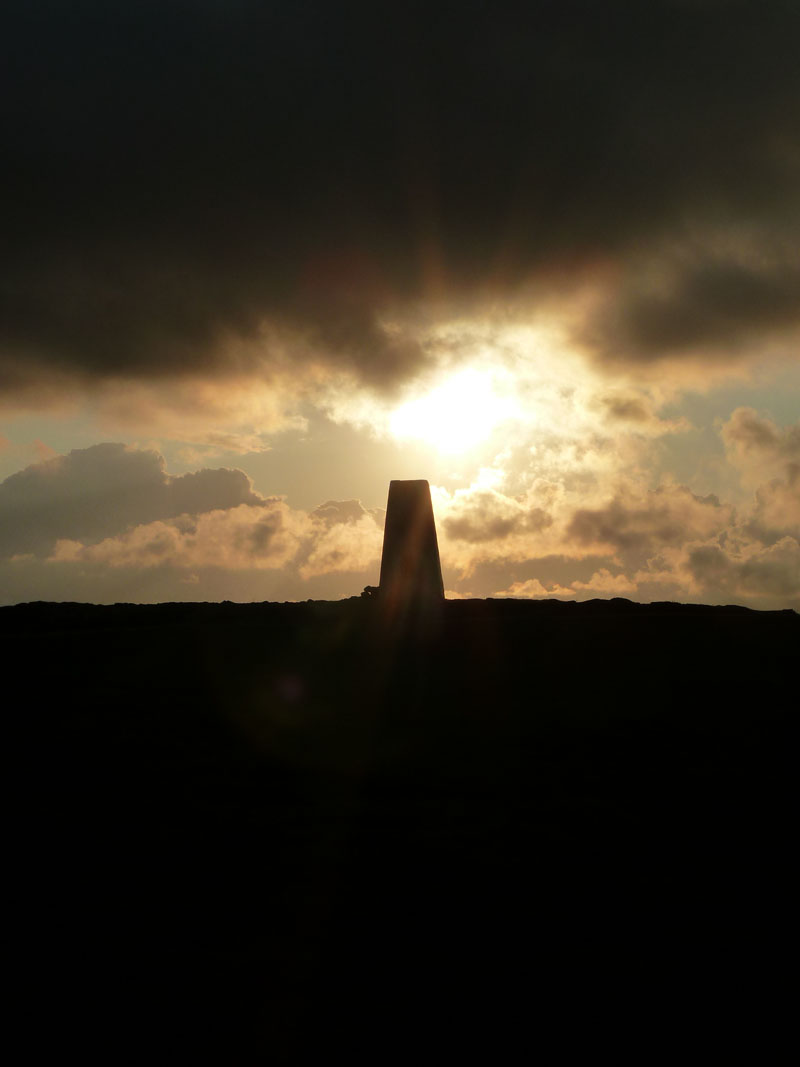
point(455, 416)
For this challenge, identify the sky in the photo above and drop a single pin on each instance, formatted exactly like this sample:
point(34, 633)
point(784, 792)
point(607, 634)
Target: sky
point(259, 259)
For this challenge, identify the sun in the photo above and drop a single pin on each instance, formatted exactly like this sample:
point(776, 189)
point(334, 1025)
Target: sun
point(456, 415)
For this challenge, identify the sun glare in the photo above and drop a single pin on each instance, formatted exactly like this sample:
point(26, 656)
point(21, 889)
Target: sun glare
point(455, 415)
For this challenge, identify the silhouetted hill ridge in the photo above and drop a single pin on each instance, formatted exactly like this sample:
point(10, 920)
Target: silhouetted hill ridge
point(36, 613)
point(249, 824)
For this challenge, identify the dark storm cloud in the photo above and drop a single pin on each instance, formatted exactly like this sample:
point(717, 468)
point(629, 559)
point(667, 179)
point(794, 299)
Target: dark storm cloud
point(179, 174)
point(94, 493)
point(704, 303)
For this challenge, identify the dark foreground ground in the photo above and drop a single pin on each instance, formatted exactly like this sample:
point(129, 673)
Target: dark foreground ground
point(252, 831)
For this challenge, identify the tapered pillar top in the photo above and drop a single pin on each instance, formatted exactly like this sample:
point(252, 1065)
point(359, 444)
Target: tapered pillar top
point(411, 573)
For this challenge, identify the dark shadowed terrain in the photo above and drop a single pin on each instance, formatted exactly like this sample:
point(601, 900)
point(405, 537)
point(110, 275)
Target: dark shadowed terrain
point(259, 828)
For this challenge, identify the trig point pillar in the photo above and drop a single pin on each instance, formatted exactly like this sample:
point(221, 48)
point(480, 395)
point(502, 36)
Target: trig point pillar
point(411, 574)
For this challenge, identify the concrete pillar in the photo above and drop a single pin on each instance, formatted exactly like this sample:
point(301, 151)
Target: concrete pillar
point(411, 574)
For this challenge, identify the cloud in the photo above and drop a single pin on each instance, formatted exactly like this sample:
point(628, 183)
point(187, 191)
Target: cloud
point(216, 442)
point(237, 190)
point(346, 537)
point(772, 573)
point(637, 414)
point(692, 301)
point(538, 522)
point(670, 543)
point(333, 512)
point(660, 543)
point(767, 457)
point(531, 589)
point(754, 441)
point(601, 584)
point(604, 583)
point(109, 522)
point(635, 527)
point(343, 547)
point(777, 509)
point(241, 537)
point(487, 515)
point(93, 493)
point(743, 572)
point(627, 409)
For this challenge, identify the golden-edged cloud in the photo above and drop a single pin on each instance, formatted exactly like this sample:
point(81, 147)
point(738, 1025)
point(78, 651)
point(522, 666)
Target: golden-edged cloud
point(277, 204)
point(85, 525)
